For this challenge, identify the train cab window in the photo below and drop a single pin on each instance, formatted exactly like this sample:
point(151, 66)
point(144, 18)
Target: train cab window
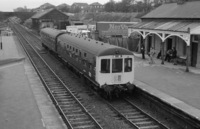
point(128, 65)
point(105, 66)
point(116, 65)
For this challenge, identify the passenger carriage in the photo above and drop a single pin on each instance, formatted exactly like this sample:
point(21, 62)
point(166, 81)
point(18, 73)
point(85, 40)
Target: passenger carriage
point(109, 68)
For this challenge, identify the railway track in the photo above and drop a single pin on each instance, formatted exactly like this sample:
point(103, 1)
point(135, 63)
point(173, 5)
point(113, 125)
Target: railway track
point(134, 115)
point(70, 108)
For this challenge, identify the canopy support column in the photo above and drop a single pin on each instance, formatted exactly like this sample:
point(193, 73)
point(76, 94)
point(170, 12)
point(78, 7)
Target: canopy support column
point(188, 51)
point(143, 48)
point(162, 52)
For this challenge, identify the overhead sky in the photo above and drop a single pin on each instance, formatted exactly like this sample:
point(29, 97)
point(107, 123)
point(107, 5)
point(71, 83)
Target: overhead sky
point(9, 5)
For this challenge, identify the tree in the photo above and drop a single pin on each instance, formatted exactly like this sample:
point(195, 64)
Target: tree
point(21, 9)
point(110, 6)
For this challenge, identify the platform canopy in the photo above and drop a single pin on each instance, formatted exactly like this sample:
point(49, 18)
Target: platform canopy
point(165, 29)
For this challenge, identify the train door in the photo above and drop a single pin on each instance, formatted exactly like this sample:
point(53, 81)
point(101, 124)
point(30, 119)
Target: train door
point(103, 70)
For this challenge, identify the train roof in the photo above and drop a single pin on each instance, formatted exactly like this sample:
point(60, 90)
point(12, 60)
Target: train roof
point(51, 32)
point(94, 47)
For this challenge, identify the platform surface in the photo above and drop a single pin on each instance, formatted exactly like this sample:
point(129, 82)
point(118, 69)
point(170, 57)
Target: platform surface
point(171, 83)
point(24, 103)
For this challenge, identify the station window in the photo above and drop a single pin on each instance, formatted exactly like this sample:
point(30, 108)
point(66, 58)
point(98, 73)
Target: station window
point(128, 65)
point(195, 38)
point(116, 65)
point(105, 66)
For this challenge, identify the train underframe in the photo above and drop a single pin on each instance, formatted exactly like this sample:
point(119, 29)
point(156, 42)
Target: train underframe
point(117, 90)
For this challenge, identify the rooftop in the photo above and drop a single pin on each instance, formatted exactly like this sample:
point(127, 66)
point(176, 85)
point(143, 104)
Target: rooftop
point(173, 10)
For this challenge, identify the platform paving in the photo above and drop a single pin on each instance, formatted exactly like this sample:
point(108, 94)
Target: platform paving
point(24, 103)
point(171, 83)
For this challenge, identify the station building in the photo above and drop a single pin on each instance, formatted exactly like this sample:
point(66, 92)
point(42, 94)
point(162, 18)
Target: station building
point(50, 18)
point(116, 33)
point(172, 25)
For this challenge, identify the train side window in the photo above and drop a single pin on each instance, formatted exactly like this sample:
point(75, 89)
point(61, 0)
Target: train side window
point(90, 66)
point(85, 54)
point(70, 47)
point(80, 54)
point(84, 63)
point(116, 65)
point(76, 50)
point(128, 65)
point(105, 66)
point(67, 46)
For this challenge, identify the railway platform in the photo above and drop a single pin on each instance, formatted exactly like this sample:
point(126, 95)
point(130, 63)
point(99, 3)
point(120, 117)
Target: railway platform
point(170, 83)
point(24, 103)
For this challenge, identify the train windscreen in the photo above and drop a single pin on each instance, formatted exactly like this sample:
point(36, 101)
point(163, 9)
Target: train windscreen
point(105, 66)
point(116, 65)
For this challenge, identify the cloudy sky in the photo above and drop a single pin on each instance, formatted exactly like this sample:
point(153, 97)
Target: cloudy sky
point(9, 5)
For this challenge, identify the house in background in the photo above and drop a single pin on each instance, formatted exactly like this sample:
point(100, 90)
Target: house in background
point(172, 25)
point(79, 7)
point(96, 7)
point(50, 18)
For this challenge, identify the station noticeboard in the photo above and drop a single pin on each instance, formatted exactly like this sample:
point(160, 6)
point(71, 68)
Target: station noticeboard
point(109, 29)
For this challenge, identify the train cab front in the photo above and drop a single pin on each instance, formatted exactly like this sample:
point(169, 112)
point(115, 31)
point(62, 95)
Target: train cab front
point(116, 74)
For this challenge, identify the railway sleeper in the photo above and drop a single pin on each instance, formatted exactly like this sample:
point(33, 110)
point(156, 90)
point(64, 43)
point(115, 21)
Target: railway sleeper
point(144, 123)
point(135, 116)
point(76, 116)
point(85, 127)
point(72, 110)
point(139, 119)
point(151, 127)
point(69, 108)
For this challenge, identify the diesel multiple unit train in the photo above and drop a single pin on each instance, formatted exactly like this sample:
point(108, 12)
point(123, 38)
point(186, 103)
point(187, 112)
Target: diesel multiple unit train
point(108, 68)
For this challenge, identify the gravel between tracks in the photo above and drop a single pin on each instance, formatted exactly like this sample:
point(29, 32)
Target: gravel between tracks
point(90, 99)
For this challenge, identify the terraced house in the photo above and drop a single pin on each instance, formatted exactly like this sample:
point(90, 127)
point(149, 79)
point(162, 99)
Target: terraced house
point(172, 25)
